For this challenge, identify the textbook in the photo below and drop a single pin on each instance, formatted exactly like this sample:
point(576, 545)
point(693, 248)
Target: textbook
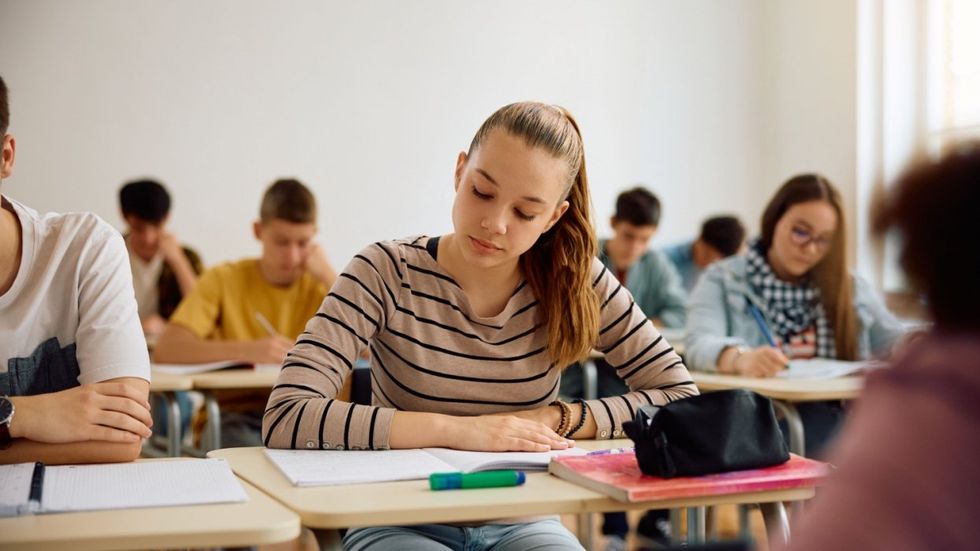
point(333, 467)
point(193, 369)
point(36, 488)
point(619, 476)
point(823, 368)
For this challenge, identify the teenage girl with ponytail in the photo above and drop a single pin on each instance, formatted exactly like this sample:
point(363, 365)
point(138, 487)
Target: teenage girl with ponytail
point(468, 332)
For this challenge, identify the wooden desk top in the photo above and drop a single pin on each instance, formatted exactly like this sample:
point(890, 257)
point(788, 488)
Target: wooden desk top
point(164, 382)
point(790, 390)
point(411, 502)
point(260, 520)
point(235, 378)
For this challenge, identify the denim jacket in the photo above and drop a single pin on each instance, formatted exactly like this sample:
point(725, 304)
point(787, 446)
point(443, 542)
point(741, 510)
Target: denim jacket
point(718, 316)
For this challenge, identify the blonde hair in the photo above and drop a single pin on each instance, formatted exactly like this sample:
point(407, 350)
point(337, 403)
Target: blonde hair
point(558, 267)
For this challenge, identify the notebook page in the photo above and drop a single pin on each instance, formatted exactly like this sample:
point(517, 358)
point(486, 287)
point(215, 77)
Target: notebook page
point(15, 488)
point(469, 461)
point(142, 484)
point(191, 369)
point(332, 467)
point(823, 368)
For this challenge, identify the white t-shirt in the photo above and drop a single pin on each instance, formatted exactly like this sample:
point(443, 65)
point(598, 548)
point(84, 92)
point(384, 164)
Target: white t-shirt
point(70, 316)
point(146, 279)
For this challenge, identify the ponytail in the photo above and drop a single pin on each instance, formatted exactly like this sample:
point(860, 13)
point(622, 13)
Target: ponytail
point(558, 267)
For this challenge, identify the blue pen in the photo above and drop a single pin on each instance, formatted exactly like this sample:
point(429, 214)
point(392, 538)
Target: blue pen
point(611, 451)
point(761, 322)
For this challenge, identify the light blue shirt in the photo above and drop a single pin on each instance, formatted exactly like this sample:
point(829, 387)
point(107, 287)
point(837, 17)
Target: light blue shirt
point(682, 255)
point(655, 285)
point(719, 316)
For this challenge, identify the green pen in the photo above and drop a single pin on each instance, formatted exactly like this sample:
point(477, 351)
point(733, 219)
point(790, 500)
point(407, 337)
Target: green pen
point(486, 479)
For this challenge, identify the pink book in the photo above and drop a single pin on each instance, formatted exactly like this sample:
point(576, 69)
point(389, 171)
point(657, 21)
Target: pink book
point(618, 475)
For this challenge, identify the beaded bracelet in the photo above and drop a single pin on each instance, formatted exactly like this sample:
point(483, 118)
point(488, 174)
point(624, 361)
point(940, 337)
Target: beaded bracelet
point(581, 418)
point(566, 417)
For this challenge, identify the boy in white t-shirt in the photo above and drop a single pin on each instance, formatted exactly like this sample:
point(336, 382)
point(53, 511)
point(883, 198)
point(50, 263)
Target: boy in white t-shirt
point(74, 370)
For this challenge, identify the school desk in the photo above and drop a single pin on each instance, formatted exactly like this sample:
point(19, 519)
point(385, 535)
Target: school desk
point(226, 379)
point(260, 520)
point(411, 502)
point(165, 385)
point(785, 393)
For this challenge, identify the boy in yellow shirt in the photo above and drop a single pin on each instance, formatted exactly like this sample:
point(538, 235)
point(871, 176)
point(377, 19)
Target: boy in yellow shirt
point(235, 307)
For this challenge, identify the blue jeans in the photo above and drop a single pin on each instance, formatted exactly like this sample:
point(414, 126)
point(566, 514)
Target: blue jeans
point(542, 535)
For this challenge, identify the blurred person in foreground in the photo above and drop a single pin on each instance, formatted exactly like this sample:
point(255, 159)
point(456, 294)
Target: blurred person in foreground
point(907, 476)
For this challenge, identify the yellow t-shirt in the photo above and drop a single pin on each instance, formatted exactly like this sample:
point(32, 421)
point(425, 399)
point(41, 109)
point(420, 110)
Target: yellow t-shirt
point(223, 306)
point(227, 297)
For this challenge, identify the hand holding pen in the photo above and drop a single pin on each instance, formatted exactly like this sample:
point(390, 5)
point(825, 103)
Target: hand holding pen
point(764, 361)
point(269, 350)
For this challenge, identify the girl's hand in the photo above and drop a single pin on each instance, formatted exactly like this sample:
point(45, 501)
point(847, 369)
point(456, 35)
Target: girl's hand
point(764, 361)
point(504, 432)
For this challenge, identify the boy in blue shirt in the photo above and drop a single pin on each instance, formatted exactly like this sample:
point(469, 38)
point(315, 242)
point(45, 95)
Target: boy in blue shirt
point(721, 237)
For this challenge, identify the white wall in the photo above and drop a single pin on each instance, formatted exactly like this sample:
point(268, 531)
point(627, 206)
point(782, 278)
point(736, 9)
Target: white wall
point(369, 103)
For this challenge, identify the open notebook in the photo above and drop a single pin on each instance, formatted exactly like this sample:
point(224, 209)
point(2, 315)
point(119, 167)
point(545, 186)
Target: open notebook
point(333, 467)
point(823, 368)
point(36, 488)
point(191, 369)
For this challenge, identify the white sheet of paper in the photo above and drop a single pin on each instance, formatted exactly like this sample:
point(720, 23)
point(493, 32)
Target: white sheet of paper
point(822, 368)
point(192, 369)
point(137, 485)
point(15, 488)
point(469, 461)
point(332, 467)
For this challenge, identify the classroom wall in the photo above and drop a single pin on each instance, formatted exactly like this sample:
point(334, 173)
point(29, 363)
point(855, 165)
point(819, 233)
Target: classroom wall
point(711, 103)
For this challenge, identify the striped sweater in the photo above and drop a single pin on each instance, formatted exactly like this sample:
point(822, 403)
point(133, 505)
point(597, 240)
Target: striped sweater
point(431, 353)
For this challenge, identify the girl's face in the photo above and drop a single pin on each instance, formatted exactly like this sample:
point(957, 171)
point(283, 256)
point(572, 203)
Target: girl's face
point(507, 195)
point(802, 238)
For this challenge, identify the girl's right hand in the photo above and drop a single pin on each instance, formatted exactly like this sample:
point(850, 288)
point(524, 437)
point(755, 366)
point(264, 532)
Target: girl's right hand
point(504, 433)
point(764, 361)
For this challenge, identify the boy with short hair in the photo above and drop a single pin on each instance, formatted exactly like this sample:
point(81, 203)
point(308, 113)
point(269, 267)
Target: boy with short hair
point(647, 273)
point(721, 237)
point(163, 270)
point(74, 371)
point(229, 314)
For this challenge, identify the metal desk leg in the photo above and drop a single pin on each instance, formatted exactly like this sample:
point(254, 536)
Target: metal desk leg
point(777, 524)
point(744, 528)
point(590, 380)
point(173, 424)
point(695, 525)
point(214, 421)
point(675, 527)
point(797, 443)
point(586, 535)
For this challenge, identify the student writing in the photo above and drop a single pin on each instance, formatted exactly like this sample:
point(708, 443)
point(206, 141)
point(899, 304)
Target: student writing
point(217, 320)
point(796, 275)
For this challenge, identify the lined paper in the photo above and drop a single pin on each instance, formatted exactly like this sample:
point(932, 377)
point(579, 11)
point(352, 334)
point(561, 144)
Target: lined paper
point(136, 485)
point(335, 467)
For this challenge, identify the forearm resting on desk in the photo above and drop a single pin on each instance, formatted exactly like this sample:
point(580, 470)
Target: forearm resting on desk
point(24, 451)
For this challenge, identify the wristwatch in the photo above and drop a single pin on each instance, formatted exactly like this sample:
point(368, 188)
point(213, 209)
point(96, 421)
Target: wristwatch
point(6, 416)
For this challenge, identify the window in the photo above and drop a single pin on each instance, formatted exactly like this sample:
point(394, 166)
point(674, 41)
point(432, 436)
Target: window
point(953, 69)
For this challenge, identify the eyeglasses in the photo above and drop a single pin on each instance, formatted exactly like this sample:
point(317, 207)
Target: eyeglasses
point(802, 238)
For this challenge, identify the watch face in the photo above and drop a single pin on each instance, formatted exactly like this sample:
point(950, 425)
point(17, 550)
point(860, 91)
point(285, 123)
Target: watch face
point(6, 408)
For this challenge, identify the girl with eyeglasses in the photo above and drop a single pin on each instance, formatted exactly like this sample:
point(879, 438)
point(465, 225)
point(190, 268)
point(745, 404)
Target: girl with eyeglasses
point(790, 296)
